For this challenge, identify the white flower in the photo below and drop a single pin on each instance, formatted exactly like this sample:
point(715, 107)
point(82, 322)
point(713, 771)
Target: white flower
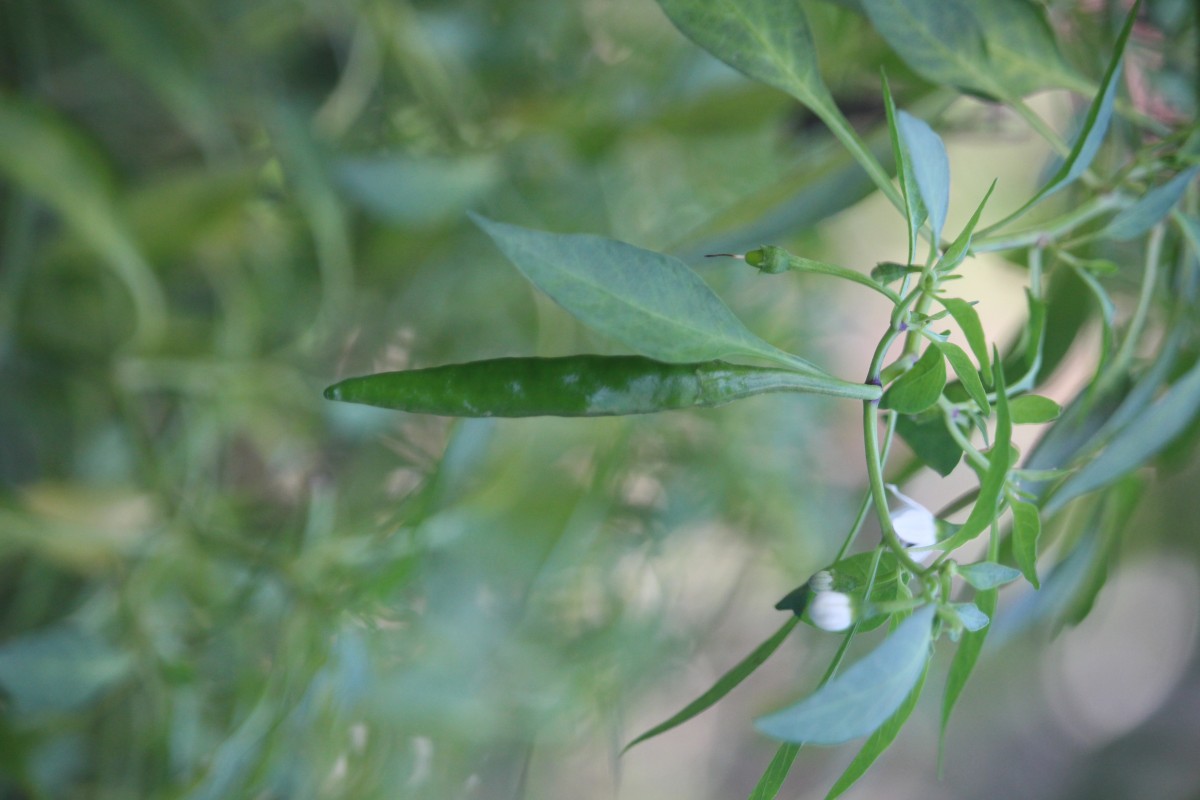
point(831, 611)
point(821, 582)
point(914, 523)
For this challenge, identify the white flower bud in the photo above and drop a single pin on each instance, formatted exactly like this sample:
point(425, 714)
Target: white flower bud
point(831, 611)
point(821, 582)
point(914, 523)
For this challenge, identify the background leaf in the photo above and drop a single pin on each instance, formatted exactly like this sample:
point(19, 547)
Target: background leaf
point(1150, 209)
point(863, 697)
point(929, 440)
point(648, 301)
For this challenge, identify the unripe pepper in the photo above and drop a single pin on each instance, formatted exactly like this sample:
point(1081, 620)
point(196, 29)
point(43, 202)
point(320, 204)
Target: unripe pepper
point(577, 386)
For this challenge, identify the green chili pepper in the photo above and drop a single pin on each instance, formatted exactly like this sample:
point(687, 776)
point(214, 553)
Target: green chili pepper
point(577, 386)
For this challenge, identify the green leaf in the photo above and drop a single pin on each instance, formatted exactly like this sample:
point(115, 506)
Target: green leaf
point(1151, 209)
point(772, 779)
point(1137, 442)
point(769, 41)
point(650, 302)
point(940, 39)
point(971, 616)
point(1022, 54)
point(920, 387)
point(573, 386)
point(880, 740)
point(850, 576)
point(862, 698)
point(966, 373)
point(930, 167)
point(968, 322)
point(914, 209)
point(929, 440)
point(965, 657)
point(1026, 530)
point(1033, 409)
point(988, 574)
point(724, 684)
point(58, 669)
point(991, 487)
point(957, 251)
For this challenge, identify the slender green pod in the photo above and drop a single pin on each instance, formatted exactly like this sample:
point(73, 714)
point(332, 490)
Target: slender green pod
point(578, 386)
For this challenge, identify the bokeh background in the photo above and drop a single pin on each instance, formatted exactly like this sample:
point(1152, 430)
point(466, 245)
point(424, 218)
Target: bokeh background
point(214, 583)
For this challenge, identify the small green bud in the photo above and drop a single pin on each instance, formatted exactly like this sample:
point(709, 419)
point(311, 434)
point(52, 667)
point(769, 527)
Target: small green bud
point(770, 259)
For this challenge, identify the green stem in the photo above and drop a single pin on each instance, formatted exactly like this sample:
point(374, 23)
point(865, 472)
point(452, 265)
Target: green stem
point(879, 493)
point(1039, 125)
point(837, 123)
point(865, 506)
point(1142, 312)
point(1051, 230)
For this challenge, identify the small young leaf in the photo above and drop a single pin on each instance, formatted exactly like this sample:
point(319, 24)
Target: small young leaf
point(648, 301)
point(973, 619)
point(920, 387)
point(966, 373)
point(988, 574)
point(968, 322)
point(879, 741)
point(926, 434)
point(1147, 212)
point(725, 684)
point(1026, 530)
point(957, 251)
point(1033, 409)
point(930, 165)
point(863, 697)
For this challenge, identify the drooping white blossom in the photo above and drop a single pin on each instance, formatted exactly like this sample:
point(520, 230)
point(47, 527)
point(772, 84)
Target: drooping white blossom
point(831, 611)
point(914, 523)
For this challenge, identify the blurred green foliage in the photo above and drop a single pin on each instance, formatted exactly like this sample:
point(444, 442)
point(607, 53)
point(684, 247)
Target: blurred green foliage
point(215, 584)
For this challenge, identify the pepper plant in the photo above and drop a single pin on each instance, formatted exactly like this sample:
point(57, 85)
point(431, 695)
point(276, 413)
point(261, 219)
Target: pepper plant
point(949, 404)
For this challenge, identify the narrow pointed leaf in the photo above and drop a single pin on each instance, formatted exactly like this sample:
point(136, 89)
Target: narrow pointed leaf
point(920, 387)
point(1151, 209)
point(724, 685)
point(988, 574)
point(914, 210)
point(1033, 409)
point(965, 658)
point(1095, 123)
point(648, 301)
point(1026, 530)
point(968, 322)
point(863, 697)
point(772, 779)
point(572, 386)
point(880, 740)
point(958, 250)
point(930, 166)
point(1137, 442)
point(966, 372)
point(991, 487)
